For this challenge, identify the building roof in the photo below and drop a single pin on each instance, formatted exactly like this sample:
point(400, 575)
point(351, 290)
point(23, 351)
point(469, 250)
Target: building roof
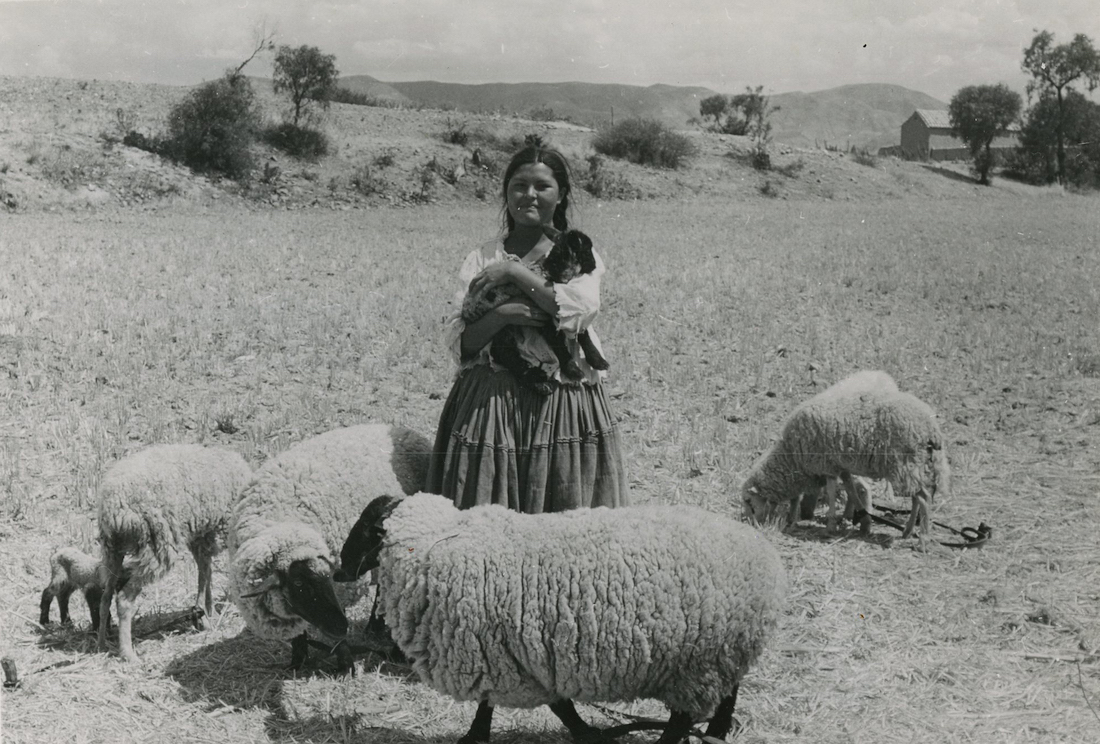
point(940, 119)
point(934, 119)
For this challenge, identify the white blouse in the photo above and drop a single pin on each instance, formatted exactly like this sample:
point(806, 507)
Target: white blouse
point(578, 305)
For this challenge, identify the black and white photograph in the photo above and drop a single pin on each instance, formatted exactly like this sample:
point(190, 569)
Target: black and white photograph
point(422, 372)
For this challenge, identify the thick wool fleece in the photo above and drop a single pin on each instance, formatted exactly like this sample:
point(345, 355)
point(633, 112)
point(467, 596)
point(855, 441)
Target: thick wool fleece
point(874, 431)
point(672, 603)
point(301, 504)
point(154, 503)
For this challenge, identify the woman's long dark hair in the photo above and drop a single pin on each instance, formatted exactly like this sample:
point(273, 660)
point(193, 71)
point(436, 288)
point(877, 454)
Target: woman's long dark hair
point(539, 153)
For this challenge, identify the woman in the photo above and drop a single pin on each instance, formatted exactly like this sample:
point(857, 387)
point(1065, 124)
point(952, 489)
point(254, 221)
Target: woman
point(499, 441)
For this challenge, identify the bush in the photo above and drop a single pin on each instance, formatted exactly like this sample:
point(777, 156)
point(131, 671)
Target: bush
point(645, 142)
point(604, 183)
point(214, 127)
point(863, 156)
point(297, 141)
point(343, 95)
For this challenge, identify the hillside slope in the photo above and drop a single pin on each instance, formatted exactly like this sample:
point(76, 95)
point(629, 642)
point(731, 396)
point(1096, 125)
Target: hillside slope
point(60, 148)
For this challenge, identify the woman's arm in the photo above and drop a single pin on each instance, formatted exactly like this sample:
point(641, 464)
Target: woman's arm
point(518, 312)
point(534, 287)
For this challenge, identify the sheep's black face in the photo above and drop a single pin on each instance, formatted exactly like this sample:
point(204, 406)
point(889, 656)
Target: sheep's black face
point(570, 256)
point(364, 541)
point(312, 595)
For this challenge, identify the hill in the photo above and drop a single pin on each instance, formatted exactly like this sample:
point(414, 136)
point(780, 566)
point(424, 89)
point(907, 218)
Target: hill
point(867, 115)
point(589, 104)
point(61, 148)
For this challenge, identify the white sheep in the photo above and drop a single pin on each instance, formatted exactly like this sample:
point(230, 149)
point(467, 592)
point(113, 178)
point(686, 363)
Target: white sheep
point(862, 426)
point(488, 604)
point(153, 505)
point(72, 569)
point(292, 519)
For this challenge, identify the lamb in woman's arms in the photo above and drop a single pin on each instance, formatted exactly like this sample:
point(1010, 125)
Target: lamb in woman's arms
point(571, 256)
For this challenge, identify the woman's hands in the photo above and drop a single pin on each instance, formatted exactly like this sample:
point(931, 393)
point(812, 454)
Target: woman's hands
point(494, 275)
point(521, 311)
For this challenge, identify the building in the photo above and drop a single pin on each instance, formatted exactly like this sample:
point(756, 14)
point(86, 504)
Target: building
point(927, 135)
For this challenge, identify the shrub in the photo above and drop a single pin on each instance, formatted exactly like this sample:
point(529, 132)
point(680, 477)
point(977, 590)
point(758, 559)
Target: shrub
point(541, 113)
point(456, 134)
point(385, 160)
point(214, 127)
point(298, 141)
point(863, 156)
point(603, 183)
point(342, 95)
point(646, 142)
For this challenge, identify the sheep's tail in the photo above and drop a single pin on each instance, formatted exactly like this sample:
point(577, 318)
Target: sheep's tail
point(147, 544)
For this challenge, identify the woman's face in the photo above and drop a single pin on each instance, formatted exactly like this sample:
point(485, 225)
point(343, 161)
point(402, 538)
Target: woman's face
point(533, 195)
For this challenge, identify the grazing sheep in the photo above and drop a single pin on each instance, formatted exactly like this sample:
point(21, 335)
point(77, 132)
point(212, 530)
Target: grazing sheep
point(153, 505)
point(72, 569)
point(571, 256)
point(861, 426)
point(666, 602)
point(292, 518)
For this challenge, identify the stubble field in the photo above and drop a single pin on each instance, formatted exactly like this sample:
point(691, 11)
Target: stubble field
point(255, 331)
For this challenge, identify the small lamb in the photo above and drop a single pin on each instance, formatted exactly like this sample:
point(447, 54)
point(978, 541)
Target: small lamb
point(571, 256)
point(72, 569)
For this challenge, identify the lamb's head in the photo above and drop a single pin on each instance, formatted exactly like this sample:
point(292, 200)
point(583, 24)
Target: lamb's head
point(293, 575)
point(364, 541)
point(571, 256)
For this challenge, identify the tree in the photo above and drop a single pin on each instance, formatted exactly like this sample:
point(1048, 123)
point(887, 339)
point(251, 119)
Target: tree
point(714, 107)
point(1080, 121)
point(757, 109)
point(1054, 69)
point(306, 75)
point(978, 114)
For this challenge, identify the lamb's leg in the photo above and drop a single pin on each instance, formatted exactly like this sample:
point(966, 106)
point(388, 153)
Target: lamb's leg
point(93, 595)
point(63, 602)
point(578, 729)
point(299, 651)
point(44, 605)
point(858, 495)
point(679, 724)
point(592, 355)
point(479, 729)
point(722, 720)
point(556, 340)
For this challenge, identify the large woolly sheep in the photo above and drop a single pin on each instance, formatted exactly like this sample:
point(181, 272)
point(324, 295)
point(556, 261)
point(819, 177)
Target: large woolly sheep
point(72, 569)
point(666, 602)
point(862, 426)
point(153, 505)
point(292, 519)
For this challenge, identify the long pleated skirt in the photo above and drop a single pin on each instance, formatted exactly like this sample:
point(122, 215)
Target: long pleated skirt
point(500, 442)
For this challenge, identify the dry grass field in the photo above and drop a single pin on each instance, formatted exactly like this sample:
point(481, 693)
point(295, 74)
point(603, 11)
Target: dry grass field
point(208, 320)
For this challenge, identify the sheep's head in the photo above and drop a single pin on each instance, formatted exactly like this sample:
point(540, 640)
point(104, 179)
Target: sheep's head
point(571, 256)
point(364, 541)
point(303, 588)
point(754, 506)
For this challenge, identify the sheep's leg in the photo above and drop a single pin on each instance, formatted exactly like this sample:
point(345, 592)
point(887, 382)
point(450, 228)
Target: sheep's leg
point(679, 725)
point(479, 729)
point(592, 355)
point(722, 720)
point(299, 651)
point(830, 499)
point(578, 729)
point(113, 564)
point(809, 503)
point(44, 605)
point(125, 604)
point(202, 550)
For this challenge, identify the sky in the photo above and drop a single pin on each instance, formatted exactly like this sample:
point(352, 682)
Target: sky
point(933, 46)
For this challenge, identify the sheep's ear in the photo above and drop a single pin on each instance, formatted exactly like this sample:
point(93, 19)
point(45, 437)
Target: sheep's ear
point(273, 580)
